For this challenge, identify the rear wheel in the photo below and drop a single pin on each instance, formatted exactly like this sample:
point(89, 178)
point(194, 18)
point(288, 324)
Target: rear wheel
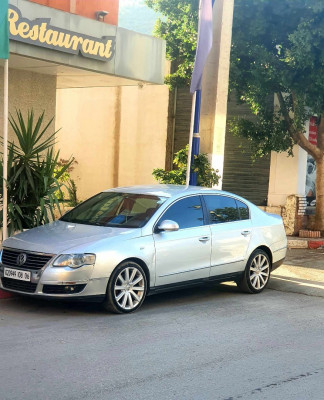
point(126, 289)
point(257, 273)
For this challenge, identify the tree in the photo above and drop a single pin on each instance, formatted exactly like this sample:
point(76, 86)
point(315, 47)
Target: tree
point(206, 175)
point(278, 50)
point(178, 27)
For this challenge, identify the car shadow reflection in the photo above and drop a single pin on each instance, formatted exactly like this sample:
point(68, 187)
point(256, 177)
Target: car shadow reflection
point(187, 296)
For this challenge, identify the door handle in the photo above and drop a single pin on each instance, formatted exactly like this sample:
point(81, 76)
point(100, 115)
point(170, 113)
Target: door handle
point(204, 239)
point(246, 233)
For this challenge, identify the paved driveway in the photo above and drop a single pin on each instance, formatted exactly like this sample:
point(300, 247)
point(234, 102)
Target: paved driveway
point(208, 343)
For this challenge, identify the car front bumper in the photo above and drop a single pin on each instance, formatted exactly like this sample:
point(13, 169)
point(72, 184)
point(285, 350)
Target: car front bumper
point(56, 283)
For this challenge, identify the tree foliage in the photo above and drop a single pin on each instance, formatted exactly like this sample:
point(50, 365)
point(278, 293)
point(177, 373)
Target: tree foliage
point(206, 175)
point(178, 27)
point(278, 50)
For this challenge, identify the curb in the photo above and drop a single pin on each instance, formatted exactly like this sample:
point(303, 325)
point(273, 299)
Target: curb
point(5, 295)
point(315, 244)
point(301, 243)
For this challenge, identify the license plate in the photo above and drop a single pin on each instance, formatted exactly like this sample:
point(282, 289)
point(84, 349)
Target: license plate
point(17, 274)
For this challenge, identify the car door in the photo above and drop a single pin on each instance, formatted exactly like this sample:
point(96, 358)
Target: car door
point(231, 230)
point(183, 255)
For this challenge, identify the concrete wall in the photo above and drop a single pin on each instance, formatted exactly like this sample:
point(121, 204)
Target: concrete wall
point(28, 90)
point(287, 176)
point(137, 57)
point(117, 135)
point(86, 8)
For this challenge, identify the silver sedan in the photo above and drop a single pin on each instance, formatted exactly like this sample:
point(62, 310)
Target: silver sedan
point(126, 243)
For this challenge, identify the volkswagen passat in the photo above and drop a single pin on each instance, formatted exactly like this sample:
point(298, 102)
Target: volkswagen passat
point(125, 243)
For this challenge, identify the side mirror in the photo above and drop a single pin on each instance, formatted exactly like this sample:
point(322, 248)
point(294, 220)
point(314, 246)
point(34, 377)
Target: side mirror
point(168, 226)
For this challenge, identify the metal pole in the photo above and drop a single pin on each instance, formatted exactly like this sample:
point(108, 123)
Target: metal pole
point(196, 137)
point(5, 151)
point(193, 108)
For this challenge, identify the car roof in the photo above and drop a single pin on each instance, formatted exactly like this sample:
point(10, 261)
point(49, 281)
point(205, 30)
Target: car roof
point(167, 190)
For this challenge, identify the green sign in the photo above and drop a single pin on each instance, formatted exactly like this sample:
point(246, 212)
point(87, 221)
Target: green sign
point(4, 30)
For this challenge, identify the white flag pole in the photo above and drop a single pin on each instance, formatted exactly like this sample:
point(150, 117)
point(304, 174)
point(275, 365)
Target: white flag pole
point(193, 107)
point(5, 151)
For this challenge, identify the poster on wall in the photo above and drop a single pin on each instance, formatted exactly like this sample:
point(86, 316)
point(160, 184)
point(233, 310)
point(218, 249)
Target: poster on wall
point(311, 166)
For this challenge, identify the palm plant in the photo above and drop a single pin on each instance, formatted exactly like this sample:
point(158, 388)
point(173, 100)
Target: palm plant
point(33, 178)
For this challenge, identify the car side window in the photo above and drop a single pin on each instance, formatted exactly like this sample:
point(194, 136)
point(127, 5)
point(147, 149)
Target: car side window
point(221, 209)
point(186, 212)
point(243, 209)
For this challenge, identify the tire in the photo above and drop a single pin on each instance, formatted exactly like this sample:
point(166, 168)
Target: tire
point(257, 273)
point(126, 288)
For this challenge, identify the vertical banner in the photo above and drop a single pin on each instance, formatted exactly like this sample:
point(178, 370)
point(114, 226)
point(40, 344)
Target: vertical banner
point(311, 166)
point(204, 45)
point(4, 30)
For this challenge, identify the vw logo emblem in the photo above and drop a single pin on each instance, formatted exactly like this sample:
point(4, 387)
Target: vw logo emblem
point(21, 259)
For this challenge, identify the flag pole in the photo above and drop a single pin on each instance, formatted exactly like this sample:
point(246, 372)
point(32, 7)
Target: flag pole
point(195, 136)
point(204, 45)
point(193, 107)
point(5, 152)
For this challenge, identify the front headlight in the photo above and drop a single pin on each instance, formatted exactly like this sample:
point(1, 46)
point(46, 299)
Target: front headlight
point(74, 260)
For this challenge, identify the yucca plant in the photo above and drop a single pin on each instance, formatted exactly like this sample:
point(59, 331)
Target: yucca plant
point(33, 179)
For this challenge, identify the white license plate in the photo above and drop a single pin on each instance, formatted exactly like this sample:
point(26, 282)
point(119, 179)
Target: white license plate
point(17, 274)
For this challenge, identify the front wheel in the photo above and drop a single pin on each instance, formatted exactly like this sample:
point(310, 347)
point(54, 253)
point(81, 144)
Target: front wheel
point(257, 273)
point(126, 289)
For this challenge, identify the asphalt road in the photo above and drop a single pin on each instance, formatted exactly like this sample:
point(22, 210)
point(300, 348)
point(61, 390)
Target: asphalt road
point(206, 343)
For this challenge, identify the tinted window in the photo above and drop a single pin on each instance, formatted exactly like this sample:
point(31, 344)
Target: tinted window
point(125, 210)
point(243, 209)
point(221, 209)
point(187, 213)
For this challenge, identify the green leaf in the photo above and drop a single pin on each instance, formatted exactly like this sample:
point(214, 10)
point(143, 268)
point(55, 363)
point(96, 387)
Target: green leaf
point(33, 172)
point(206, 175)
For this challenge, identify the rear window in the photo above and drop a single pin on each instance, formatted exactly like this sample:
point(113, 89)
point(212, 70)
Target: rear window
point(243, 210)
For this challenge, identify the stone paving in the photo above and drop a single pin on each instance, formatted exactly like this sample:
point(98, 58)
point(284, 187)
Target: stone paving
point(302, 272)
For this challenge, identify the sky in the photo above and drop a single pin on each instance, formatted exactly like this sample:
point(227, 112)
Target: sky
point(136, 16)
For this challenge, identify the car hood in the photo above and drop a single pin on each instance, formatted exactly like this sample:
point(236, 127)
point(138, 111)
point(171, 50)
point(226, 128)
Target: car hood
point(60, 236)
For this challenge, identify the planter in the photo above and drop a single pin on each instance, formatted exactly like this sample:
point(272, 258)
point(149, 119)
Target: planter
point(304, 233)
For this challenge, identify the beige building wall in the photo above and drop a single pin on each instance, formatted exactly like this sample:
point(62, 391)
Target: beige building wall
point(287, 176)
point(117, 135)
point(86, 119)
point(28, 90)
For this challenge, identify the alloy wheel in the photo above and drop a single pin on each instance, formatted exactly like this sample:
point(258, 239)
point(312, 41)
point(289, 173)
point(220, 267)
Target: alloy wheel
point(129, 288)
point(259, 271)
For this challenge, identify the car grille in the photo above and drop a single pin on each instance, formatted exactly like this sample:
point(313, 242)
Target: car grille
point(33, 261)
point(21, 286)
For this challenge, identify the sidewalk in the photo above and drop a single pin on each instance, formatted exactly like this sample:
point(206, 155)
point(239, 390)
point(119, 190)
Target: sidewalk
point(302, 272)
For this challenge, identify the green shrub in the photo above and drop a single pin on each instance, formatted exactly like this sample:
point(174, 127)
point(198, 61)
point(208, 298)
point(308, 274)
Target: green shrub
point(206, 175)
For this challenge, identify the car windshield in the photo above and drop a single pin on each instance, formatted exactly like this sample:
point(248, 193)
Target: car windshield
point(123, 210)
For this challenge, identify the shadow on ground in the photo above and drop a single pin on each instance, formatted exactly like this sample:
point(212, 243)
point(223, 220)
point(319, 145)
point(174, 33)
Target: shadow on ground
point(189, 297)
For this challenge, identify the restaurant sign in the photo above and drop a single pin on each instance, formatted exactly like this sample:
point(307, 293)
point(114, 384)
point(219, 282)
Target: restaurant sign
point(39, 32)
